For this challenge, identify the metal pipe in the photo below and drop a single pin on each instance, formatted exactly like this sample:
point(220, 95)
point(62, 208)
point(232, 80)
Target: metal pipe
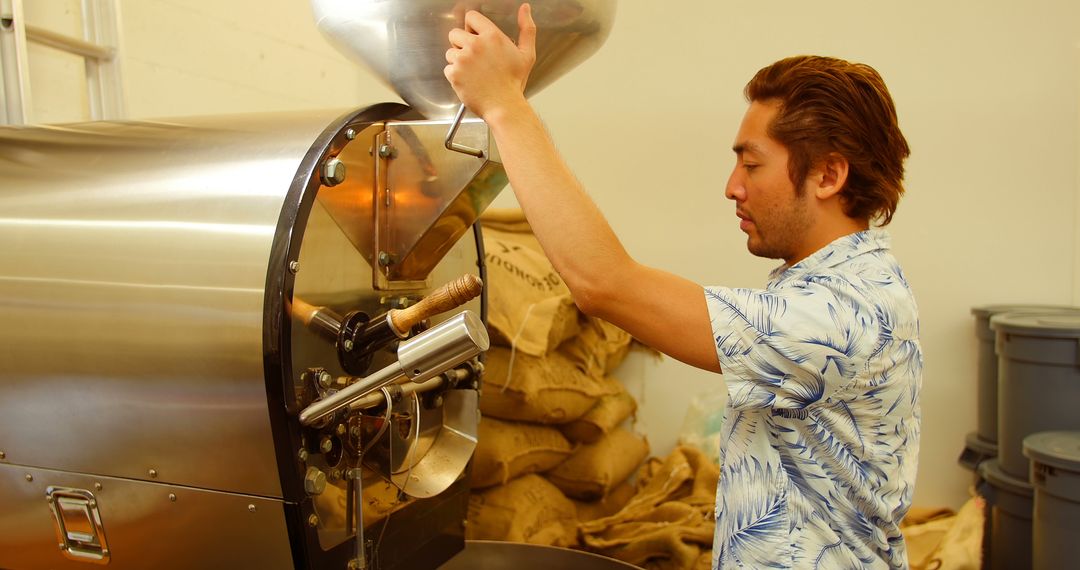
point(425, 356)
point(342, 398)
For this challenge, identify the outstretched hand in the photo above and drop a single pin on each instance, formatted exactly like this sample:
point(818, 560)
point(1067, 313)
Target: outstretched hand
point(487, 70)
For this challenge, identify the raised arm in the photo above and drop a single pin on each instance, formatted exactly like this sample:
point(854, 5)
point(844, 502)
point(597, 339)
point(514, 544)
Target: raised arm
point(489, 71)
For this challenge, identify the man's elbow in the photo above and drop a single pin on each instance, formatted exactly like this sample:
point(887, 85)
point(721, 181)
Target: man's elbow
point(591, 298)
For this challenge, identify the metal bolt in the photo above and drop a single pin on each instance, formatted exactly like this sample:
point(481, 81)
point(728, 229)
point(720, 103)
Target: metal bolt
point(385, 259)
point(92, 504)
point(335, 474)
point(350, 134)
point(172, 497)
point(251, 508)
point(314, 481)
point(387, 151)
point(302, 455)
point(2, 455)
point(29, 477)
point(294, 266)
point(326, 445)
point(340, 429)
point(348, 344)
point(325, 379)
point(333, 172)
point(97, 486)
point(313, 520)
point(153, 473)
point(355, 432)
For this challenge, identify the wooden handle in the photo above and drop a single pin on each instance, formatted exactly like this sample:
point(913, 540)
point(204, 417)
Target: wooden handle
point(453, 294)
point(303, 310)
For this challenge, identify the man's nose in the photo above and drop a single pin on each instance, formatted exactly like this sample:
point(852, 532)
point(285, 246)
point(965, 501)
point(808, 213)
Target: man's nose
point(735, 189)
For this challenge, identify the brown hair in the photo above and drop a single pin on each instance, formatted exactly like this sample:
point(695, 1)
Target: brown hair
point(831, 105)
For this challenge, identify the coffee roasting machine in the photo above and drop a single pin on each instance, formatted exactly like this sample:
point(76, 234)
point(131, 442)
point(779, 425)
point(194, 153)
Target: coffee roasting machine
point(256, 341)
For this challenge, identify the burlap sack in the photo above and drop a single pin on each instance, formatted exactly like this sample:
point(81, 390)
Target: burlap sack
point(599, 348)
point(596, 468)
point(610, 504)
point(530, 306)
point(507, 450)
point(527, 509)
point(548, 390)
point(608, 413)
point(669, 523)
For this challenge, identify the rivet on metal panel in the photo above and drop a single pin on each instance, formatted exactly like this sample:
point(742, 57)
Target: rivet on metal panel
point(251, 508)
point(61, 545)
point(29, 477)
point(313, 520)
point(326, 445)
point(294, 266)
point(172, 497)
point(348, 344)
point(92, 504)
point(2, 455)
point(97, 486)
point(350, 134)
point(386, 259)
point(340, 429)
point(302, 455)
point(153, 473)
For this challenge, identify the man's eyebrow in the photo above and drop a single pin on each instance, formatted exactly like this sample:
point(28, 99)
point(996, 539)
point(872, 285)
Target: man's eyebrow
point(746, 146)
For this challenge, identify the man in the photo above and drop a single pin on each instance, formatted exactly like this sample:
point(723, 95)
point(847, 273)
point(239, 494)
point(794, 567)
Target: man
point(823, 367)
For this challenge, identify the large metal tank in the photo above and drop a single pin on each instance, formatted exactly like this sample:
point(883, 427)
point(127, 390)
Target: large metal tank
point(195, 365)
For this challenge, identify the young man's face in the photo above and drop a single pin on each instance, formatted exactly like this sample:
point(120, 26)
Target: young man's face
point(774, 216)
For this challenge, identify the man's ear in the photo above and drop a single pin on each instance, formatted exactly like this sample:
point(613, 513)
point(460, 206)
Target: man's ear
point(831, 176)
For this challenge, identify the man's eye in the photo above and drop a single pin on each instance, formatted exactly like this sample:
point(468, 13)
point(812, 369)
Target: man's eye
point(750, 167)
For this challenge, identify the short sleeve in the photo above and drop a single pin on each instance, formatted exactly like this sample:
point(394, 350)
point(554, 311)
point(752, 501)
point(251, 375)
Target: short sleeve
point(790, 347)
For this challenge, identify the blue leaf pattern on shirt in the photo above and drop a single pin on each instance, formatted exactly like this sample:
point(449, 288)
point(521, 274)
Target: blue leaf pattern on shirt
point(823, 370)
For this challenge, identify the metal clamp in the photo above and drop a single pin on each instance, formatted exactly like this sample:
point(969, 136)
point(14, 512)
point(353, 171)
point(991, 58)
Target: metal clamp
point(450, 144)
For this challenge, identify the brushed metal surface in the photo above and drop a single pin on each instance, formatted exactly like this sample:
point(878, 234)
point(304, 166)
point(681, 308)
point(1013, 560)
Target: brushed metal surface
point(404, 42)
point(514, 556)
point(132, 294)
point(145, 527)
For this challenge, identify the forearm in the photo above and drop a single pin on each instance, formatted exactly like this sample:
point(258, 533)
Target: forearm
point(574, 234)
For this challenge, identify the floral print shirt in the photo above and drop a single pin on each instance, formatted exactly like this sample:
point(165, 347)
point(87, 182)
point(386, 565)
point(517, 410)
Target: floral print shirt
point(821, 437)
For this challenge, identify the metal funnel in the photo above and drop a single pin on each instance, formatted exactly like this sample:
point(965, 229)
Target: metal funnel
point(404, 42)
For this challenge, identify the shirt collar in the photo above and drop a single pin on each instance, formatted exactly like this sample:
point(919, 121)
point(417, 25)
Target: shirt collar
point(838, 251)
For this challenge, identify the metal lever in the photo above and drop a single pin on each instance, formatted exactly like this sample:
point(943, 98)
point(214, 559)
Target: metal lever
point(423, 357)
point(450, 144)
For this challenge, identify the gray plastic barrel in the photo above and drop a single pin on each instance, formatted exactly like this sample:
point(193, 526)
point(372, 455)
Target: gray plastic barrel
point(1055, 475)
point(1009, 501)
point(1038, 380)
point(976, 450)
point(987, 365)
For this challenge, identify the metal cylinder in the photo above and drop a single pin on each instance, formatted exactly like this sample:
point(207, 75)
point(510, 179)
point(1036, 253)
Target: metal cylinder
point(443, 347)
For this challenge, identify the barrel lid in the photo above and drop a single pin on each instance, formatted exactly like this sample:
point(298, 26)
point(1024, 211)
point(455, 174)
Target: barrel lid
point(992, 472)
point(1059, 449)
point(1051, 323)
point(991, 310)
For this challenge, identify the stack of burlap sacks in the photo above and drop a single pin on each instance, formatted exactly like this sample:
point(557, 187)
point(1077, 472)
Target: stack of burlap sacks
point(555, 464)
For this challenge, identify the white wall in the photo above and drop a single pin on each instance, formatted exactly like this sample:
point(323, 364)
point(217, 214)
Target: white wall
point(988, 93)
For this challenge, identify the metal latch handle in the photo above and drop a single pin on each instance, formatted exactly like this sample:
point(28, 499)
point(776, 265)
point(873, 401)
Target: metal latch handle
point(450, 144)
